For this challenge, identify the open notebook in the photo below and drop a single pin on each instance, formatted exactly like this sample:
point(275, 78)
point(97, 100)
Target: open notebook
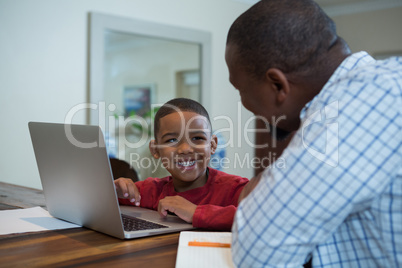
point(211, 249)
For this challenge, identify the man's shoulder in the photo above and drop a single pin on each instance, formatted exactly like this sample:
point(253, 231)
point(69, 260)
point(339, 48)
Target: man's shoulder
point(379, 69)
point(362, 76)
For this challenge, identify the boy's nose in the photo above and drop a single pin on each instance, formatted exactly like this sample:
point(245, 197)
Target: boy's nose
point(185, 148)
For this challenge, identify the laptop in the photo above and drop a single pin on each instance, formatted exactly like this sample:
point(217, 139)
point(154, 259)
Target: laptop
point(78, 183)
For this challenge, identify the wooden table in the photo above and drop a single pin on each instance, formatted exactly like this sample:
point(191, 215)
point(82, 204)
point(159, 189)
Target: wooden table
point(80, 247)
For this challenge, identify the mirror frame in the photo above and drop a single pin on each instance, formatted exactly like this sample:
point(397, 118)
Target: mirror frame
point(99, 23)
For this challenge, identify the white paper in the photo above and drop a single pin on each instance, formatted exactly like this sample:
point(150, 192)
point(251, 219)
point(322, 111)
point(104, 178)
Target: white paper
point(30, 220)
point(204, 257)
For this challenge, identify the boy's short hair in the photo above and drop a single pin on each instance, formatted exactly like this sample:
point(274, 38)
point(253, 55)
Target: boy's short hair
point(176, 105)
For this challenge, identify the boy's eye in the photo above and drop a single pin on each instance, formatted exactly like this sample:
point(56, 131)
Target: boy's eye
point(171, 140)
point(198, 138)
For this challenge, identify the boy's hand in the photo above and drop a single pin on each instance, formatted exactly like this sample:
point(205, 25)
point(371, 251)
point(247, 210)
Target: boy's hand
point(177, 205)
point(126, 189)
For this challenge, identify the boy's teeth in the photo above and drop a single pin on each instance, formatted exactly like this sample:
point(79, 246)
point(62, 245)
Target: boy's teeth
point(186, 164)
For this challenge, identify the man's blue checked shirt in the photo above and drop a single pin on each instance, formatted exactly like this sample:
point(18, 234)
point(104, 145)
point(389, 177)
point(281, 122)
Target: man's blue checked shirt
point(338, 197)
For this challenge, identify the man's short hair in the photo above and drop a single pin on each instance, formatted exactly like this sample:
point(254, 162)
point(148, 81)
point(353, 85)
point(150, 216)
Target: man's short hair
point(290, 35)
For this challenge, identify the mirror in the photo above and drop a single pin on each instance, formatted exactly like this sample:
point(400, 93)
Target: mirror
point(134, 67)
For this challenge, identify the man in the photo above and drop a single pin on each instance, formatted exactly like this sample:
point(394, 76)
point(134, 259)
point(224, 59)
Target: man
point(339, 198)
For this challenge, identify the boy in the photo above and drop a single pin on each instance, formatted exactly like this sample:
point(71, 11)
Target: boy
point(200, 195)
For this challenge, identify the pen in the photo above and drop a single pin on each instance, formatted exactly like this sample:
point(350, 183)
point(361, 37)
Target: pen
point(208, 244)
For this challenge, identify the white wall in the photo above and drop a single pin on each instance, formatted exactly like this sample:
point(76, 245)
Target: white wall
point(159, 64)
point(43, 65)
point(377, 32)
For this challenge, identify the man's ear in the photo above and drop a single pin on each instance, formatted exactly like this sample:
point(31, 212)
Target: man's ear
point(279, 82)
point(214, 143)
point(153, 149)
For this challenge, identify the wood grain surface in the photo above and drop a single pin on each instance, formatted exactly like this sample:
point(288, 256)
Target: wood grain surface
point(78, 247)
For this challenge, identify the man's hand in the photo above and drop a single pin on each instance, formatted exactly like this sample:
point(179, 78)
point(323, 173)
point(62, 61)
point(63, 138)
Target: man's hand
point(126, 189)
point(177, 205)
point(249, 187)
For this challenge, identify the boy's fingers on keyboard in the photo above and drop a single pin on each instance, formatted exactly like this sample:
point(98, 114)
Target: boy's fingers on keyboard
point(177, 205)
point(126, 188)
point(121, 188)
point(138, 201)
point(133, 192)
point(162, 210)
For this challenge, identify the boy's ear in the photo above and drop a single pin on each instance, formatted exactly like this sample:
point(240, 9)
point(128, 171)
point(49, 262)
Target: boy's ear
point(279, 82)
point(153, 149)
point(214, 143)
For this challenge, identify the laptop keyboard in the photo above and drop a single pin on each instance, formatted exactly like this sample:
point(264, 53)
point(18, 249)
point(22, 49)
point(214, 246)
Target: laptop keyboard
point(136, 224)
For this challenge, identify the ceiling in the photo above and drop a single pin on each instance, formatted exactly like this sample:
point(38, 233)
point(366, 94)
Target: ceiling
point(343, 7)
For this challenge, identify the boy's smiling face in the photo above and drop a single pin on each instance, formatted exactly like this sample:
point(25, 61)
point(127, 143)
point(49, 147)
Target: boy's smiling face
point(185, 144)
